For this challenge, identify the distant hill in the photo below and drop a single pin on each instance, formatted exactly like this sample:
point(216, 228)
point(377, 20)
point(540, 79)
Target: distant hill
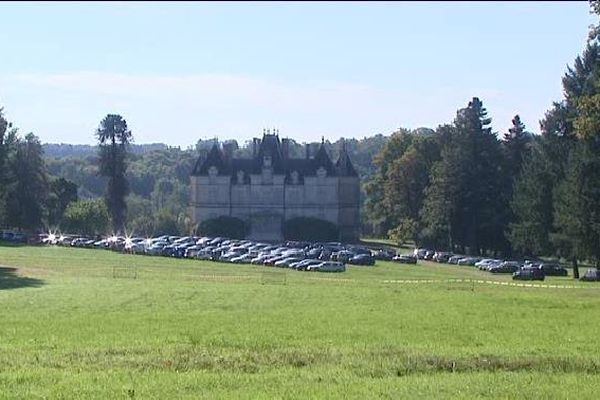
point(66, 150)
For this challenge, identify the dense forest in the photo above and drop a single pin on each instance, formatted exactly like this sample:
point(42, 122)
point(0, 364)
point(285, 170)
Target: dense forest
point(461, 186)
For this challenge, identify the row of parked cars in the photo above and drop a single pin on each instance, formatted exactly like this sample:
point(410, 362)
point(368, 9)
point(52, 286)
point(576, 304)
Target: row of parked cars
point(13, 236)
point(302, 256)
point(520, 270)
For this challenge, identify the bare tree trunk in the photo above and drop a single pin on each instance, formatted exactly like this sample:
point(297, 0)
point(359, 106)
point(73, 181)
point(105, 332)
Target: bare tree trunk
point(575, 268)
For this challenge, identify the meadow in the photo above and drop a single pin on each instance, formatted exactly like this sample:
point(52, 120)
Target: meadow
point(82, 323)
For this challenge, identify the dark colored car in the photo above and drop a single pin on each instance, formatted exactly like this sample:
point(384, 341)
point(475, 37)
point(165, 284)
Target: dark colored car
point(383, 254)
point(405, 259)
point(591, 275)
point(362, 259)
point(529, 274)
point(551, 269)
point(442, 256)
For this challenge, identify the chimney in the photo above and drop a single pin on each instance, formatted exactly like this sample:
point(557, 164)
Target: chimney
point(228, 151)
point(307, 146)
point(255, 143)
point(285, 148)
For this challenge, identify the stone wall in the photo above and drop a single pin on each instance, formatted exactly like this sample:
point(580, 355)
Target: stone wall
point(266, 202)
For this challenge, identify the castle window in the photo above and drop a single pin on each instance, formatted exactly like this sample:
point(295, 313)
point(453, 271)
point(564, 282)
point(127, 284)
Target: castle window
point(295, 178)
point(240, 177)
point(267, 161)
point(212, 174)
point(321, 172)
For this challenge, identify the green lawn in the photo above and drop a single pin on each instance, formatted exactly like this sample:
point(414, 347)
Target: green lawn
point(79, 323)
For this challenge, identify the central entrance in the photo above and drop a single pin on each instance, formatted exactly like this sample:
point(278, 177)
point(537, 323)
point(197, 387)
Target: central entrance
point(266, 225)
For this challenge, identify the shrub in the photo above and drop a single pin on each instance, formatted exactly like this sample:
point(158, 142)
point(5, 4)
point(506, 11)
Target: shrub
point(230, 227)
point(310, 229)
point(89, 217)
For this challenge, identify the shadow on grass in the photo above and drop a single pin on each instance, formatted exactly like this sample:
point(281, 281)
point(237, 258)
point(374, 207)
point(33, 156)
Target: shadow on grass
point(9, 279)
point(11, 244)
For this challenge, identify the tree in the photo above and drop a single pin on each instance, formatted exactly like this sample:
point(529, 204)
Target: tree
point(532, 203)
point(405, 184)
point(543, 191)
point(114, 138)
point(464, 203)
point(62, 192)
point(376, 207)
point(516, 145)
point(166, 223)
point(578, 202)
point(26, 203)
point(88, 217)
point(8, 140)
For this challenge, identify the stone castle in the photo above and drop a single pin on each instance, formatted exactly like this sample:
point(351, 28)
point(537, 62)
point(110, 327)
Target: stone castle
point(271, 187)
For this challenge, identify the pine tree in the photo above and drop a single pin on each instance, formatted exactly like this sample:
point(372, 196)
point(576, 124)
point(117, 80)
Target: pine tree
point(464, 201)
point(578, 202)
point(516, 144)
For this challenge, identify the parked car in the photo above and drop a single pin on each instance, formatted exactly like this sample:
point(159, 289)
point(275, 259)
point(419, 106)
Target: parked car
point(552, 269)
point(507, 267)
point(327, 266)
point(468, 261)
point(260, 259)
point(455, 258)
point(362, 259)
point(529, 274)
point(441, 256)
point(405, 259)
point(420, 253)
point(304, 264)
point(286, 262)
point(243, 259)
point(487, 263)
point(384, 254)
point(591, 275)
point(342, 256)
point(429, 255)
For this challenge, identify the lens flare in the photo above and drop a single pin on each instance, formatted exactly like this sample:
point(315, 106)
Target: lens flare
point(51, 238)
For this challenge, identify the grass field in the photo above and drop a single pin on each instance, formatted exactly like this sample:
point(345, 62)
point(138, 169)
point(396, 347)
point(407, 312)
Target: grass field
point(79, 323)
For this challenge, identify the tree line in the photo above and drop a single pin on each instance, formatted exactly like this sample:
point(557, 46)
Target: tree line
point(150, 188)
point(465, 189)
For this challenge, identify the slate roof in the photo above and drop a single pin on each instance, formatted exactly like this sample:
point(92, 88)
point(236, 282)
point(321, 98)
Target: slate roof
point(270, 145)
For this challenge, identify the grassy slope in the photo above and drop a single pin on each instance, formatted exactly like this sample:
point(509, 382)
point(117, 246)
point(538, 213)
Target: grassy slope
point(197, 329)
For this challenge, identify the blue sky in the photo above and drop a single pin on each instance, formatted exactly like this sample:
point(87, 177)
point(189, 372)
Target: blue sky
point(181, 71)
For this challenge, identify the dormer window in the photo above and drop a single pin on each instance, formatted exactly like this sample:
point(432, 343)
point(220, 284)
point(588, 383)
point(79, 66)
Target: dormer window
point(267, 161)
point(212, 174)
point(240, 177)
point(321, 172)
point(295, 177)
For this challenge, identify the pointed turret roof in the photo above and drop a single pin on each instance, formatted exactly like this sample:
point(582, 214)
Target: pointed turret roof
point(344, 164)
point(214, 158)
point(270, 146)
point(322, 160)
